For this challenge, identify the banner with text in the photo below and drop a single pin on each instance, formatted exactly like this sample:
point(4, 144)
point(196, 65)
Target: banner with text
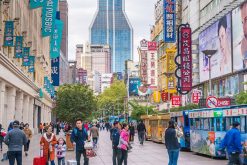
point(169, 21)
point(25, 57)
point(55, 71)
point(36, 3)
point(18, 46)
point(31, 64)
point(56, 39)
point(9, 34)
point(48, 17)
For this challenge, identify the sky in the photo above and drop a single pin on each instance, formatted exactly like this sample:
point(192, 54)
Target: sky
point(81, 14)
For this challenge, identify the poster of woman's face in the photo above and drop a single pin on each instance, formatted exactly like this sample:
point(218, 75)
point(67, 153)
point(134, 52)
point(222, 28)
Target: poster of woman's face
point(239, 33)
point(216, 37)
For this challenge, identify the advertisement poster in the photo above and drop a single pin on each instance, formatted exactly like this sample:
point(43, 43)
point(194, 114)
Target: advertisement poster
point(18, 46)
point(239, 34)
point(36, 3)
point(9, 33)
point(216, 37)
point(134, 84)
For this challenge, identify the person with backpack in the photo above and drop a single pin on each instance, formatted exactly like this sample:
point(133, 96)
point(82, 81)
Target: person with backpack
point(141, 132)
point(78, 136)
point(115, 136)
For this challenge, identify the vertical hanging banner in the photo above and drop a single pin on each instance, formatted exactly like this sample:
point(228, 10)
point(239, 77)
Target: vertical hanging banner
point(48, 17)
point(31, 64)
point(36, 3)
point(9, 34)
point(18, 46)
point(45, 82)
point(56, 39)
point(169, 21)
point(25, 57)
point(184, 59)
point(55, 71)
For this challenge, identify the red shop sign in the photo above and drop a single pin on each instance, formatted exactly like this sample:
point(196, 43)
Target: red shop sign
point(195, 97)
point(152, 45)
point(176, 100)
point(186, 59)
point(223, 102)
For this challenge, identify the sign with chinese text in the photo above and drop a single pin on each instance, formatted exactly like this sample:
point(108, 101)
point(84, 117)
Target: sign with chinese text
point(55, 71)
point(223, 102)
point(49, 11)
point(164, 96)
point(152, 46)
point(152, 72)
point(18, 46)
point(25, 57)
point(218, 113)
point(31, 64)
point(195, 97)
point(144, 44)
point(176, 100)
point(169, 21)
point(9, 34)
point(56, 39)
point(156, 96)
point(144, 66)
point(36, 3)
point(134, 84)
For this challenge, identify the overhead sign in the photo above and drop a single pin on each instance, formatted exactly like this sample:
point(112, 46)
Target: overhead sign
point(25, 58)
point(9, 34)
point(212, 102)
point(176, 100)
point(169, 21)
point(18, 46)
point(31, 68)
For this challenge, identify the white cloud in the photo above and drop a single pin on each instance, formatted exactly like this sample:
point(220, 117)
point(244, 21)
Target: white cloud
point(81, 13)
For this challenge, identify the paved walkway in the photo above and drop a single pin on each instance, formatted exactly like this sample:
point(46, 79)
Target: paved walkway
point(148, 154)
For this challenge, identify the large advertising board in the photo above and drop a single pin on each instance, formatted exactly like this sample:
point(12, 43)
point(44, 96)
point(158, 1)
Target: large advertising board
point(134, 84)
point(239, 34)
point(216, 37)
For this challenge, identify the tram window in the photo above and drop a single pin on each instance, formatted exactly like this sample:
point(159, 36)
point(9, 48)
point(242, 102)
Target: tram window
point(186, 121)
point(236, 119)
point(197, 122)
point(211, 124)
point(228, 123)
point(218, 124)
point(206, 124)
point(191, 123)
point(224, 124)
point(243, 128)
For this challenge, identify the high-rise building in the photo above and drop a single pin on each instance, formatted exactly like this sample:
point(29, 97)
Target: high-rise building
point(63, 8)
point(112, 27)
point(79, 51)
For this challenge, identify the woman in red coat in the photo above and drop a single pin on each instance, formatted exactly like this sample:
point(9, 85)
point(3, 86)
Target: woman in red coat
point(48, 142)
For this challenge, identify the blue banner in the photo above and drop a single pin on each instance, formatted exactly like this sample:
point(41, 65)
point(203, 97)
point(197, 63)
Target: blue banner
point(18, 46)
point(45, 82)
point(134, 84)
point(169, 21)
point(48, 17)
point(55, 71)
point(9, 34)
point(56, 39)
point(31, 64)
point(36, 3)
point(25, 57)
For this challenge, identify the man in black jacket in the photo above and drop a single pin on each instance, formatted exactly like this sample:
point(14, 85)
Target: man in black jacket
point(141, 131)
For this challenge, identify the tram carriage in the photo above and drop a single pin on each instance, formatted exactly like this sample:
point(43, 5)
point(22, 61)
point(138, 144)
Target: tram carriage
point(146, 121)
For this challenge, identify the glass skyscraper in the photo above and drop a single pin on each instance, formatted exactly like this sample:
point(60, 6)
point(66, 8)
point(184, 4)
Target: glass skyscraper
point(111, 26)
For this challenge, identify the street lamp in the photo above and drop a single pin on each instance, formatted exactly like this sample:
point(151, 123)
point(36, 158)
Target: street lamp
point(209, 54)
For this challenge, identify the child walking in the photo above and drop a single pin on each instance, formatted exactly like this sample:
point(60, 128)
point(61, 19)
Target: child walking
point(61, 151)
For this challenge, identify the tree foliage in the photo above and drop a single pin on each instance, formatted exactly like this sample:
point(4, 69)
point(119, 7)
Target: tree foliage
point(139, 110)
point(241, 98)
point(111, 101)
point(74, 101)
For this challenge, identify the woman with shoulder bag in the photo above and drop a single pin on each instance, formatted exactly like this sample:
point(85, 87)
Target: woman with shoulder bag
point(124, 144)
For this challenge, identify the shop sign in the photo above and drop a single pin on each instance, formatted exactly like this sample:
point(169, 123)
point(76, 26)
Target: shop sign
point(152, 46)
point(223, 102)
point(144, 66)
point(55, 72)
point(144, 44)
point(176, 100)
point(218, 113)
point(169, 21)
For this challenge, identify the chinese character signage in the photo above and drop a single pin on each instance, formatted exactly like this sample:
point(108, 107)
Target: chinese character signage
point(144, 66)
point(152, 68)
point(55, 71)
point(169, 21)
point(152, 46)
point(25, 57)
point(56, 39)
point(31, 64)
point(176, 100)
point(144, 44)
point(18, 46)
point(36, 3)
point(9, 34)
point(48, 17)
point(185, 57)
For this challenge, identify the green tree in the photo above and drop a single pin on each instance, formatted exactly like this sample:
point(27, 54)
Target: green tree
point(111, 101)
point(139, 110)
point(241, 98)
point(74, 101)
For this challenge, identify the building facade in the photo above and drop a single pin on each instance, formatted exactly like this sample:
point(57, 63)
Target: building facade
point(111, 27)
point(63, 8)
point(20, 89)
point(78, 56)
point(72, 72)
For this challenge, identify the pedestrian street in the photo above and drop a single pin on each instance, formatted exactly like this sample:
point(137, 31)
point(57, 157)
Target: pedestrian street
point(149, 154)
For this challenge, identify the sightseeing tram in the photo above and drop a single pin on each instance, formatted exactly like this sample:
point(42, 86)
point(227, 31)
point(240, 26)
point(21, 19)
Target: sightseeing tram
point(209, 126)
point(145, 119)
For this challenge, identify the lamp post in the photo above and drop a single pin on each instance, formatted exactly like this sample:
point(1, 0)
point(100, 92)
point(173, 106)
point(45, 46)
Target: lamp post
point(209, 54)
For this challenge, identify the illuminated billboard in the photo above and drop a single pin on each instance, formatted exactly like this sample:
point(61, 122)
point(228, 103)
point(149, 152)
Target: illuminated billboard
point(216, 37)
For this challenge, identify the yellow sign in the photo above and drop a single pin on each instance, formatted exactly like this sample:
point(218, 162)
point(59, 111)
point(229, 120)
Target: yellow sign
point(156, 96)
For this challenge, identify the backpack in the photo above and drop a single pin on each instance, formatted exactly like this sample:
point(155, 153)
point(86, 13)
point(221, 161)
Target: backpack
point(75, 131)
point(115, 137)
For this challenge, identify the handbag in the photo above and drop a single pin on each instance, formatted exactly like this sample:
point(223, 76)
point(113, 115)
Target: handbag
point(88, 145)
point(90, 153)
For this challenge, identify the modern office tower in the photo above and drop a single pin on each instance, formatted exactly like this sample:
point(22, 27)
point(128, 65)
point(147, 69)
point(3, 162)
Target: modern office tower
point(112, 27)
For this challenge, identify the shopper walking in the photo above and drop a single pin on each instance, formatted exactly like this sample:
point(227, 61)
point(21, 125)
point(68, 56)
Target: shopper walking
point(78, 137)
point(141, 132)
point(29, 134)
point(132, 132)
point(15, 139)
point(115, 136)
point(61, 151)
point(171, 142)
point(232, 143)
point(94, 133)
point(124, 144)
point(41, 127)
point(48, 142)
